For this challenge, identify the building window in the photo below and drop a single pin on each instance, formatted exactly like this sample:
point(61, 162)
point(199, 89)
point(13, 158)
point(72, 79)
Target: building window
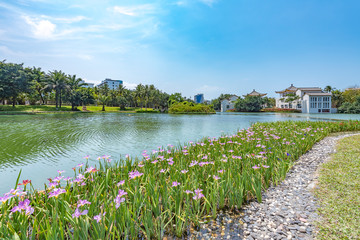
point(299, 105)
point(227, 106)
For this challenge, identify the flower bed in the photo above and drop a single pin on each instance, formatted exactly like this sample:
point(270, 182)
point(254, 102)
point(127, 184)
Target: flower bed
point(166, 191)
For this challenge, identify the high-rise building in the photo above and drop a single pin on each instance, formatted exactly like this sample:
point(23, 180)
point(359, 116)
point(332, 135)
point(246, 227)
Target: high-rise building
point(112, 84)
point(199, 98)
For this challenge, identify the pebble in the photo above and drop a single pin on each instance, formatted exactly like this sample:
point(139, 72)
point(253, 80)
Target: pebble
point(287, 211)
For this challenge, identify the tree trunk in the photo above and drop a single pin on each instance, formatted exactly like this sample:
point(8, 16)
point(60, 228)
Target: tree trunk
point(56, 99)
point(42, 98)
point(14, 99)
point(103, 109)
point(60, 99)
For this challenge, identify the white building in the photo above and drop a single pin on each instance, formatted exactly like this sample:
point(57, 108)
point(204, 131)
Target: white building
point(228, 103)
point(305, 99)
point(112, 84)
point(87, 85)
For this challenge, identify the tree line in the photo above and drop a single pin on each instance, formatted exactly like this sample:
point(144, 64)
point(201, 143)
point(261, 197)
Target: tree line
point(19, 84)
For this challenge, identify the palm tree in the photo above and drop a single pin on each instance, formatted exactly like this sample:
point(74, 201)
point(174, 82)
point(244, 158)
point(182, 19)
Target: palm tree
point(103, 100)
point(140, 94)
point(38, 80)
point(328, 89)
point(74, 84)
point(57, 80)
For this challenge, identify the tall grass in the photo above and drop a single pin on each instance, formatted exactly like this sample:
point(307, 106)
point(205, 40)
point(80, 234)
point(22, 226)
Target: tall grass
point(164, 192)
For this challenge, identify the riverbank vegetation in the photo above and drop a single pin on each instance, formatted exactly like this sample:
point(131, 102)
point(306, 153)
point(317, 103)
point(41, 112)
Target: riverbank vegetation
point(339, 192)
point(165, 191)
point(52, 108)
point(21, 86)
point(190, 107)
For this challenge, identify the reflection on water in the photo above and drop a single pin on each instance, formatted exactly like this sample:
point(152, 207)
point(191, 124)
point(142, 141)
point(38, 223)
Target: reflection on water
point(42, 144)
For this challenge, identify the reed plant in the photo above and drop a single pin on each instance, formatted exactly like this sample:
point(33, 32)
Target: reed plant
point(165, 192)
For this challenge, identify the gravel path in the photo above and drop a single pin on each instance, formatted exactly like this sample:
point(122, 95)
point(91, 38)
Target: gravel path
point(287, 211)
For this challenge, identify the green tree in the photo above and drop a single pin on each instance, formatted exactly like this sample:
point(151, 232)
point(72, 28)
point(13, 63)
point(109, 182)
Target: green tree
point(122, 102)
point(249, 104)
point(87, 96)
point(337, 98)
point(74, 84)
point(328, 89)
point(38, 82)
point(57, 80)
point(103, 100)
point(350, 95)
point(140, 94)
point(269, 102)
point(291, 97)
point(14, 80)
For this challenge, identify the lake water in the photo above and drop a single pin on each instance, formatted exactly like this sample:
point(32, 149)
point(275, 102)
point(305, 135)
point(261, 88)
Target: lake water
point(44, 143)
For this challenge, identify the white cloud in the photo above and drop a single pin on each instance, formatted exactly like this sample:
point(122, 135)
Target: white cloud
point(6, 51)
point(181, 3)
point(85, 56)
point(66, 20)
point(137, 10)
point(208, 2)
point(41, 29)
point(209, 90)
point(130, 86)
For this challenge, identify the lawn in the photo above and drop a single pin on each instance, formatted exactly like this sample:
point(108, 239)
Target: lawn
point(52, 108)
point(339, 192)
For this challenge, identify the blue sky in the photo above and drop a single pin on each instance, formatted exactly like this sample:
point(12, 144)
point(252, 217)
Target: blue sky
point(189, 46)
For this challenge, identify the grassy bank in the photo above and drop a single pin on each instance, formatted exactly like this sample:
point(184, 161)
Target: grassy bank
point(166, 191)
point(32, 109)
point(339, 192)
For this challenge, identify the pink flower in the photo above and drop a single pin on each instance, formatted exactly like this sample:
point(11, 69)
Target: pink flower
point(24, 205)
point(53, 184)
point(57, 179)
point(198, 194)
point(120, 183)
point(91, 170)
point(255, 167)
point(174, 184)
point(118, 200)
point(216, 177)
point(77, 213)
point(60, 171)
point(184, 171)
point(98, 217)
point(80, 165)
point(5, 198)
point(135, 174)
point(87, 157)
point(188, 191)
point(83, 202)
point(221, 171)
point(56, 192)
point(265, 166)
point(122, 193)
